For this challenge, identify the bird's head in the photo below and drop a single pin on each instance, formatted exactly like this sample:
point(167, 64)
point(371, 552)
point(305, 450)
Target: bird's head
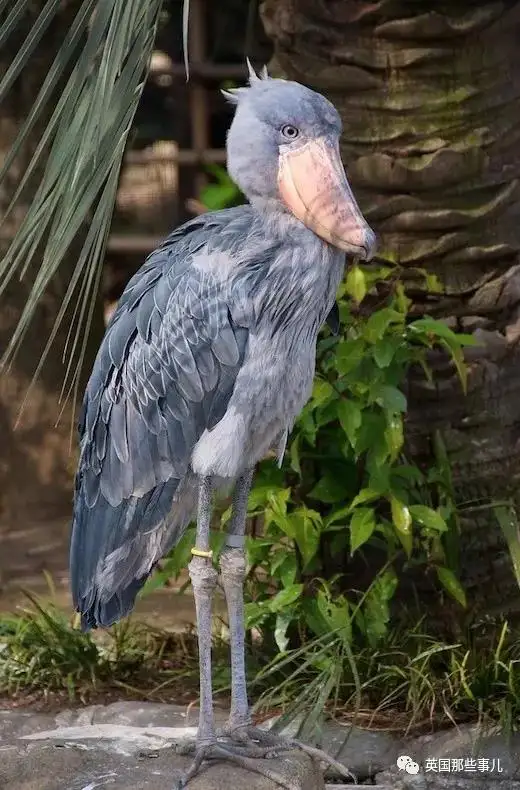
point(283, 145)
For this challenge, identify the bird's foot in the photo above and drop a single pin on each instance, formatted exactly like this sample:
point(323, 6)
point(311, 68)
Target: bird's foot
point(253, 737)
point(248, 755)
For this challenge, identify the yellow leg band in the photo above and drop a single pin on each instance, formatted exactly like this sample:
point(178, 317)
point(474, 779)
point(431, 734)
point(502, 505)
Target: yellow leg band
point(200, 553)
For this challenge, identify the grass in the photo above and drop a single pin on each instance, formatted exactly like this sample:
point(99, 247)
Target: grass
point(44, 656)
point(411, 683)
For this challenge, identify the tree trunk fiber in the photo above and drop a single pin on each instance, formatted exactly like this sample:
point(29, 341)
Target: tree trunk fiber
point(37, 458)
point(429, 96)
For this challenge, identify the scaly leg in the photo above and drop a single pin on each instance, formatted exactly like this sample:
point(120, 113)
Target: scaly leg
point(233, 569)
point(204, 579)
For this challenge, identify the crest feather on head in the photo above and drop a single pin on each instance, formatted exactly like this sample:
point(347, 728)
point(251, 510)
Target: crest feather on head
point(235, 94)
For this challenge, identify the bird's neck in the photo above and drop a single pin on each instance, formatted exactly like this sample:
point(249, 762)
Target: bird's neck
point(304, 270)
point(279, 223)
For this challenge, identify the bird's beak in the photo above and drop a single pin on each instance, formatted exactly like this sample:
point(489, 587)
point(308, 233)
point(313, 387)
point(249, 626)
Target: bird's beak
point(313, 185)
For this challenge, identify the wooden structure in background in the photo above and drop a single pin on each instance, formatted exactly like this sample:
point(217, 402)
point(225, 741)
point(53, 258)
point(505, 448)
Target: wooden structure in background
point(148, 204)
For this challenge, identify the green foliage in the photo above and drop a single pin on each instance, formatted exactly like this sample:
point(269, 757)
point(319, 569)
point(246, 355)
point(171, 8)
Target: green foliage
point(81, 116)
point(43, 652)
point(407, 680)
point(221, 192)
point(346, 487)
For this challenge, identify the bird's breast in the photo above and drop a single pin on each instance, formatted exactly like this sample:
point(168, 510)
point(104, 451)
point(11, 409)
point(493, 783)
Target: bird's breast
point(271, 389)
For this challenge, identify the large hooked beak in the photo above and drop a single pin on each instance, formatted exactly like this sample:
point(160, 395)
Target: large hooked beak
point(313, 185)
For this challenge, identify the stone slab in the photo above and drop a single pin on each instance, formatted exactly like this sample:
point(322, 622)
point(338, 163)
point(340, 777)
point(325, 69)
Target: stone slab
point(490, 760)
point(130, 744)
point(87, 765)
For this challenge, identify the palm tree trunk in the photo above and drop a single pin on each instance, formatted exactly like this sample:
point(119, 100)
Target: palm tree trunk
point(36, 459)
point(429, 96)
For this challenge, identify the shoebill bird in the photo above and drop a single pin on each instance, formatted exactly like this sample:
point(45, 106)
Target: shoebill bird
point(204, 367)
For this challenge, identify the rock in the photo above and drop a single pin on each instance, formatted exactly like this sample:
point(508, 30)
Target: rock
point(81, 765)
point(363, 752)
point(137, 714)
point(465, 758)
point(15, 723)
point(124, 746)
point(131, 745)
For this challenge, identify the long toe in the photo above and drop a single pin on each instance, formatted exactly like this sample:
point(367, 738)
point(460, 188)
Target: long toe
point(251, 758)
point(276, 744)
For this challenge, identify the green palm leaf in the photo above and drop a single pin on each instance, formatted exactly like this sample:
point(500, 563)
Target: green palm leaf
point(80, 153)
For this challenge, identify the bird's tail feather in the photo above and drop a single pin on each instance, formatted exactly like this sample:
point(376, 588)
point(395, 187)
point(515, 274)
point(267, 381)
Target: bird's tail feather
point(107, 573)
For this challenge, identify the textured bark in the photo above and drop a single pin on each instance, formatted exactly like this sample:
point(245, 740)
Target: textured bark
point(429, 96)
point(36, 459)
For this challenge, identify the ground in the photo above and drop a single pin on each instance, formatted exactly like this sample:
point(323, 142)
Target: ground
point(130, 746)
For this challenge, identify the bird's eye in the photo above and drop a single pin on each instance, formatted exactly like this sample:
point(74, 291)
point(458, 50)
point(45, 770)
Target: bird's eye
point(290, 132)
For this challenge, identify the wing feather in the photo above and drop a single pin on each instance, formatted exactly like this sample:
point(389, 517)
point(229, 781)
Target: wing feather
point(164, 373)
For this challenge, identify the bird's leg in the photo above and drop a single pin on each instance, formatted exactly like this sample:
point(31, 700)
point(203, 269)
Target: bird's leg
point(233, 572)
point(204, 579)
point(254, 741)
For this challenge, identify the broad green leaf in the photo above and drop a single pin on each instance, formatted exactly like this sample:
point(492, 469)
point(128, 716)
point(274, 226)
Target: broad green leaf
point(365, 495)
point(294, 455)
point(362, 525)
point(390, 398)
point(349, 354)
point(288, 569)
point(429, 326)
point(402, 521)
point(350, 418)
point(371, 432)
point(308, 426)
point(428, 517)
point(341, 514)
point(327, 414)
point(379, 322)
point(376, 610)
point(283, 621)
point(409, 473)
point(335, 611)
point(402, 300)
point(285, 597)
point(255, 613)
point(356, 285)
point(278, 500)
point(329, 489)
point(394, 435)
point(452, 585)
point(277, 558)
point(315, 618)
point(307, 525)
point(384, 351)
point(321, 392)
point(458, 360)
point(258, 497)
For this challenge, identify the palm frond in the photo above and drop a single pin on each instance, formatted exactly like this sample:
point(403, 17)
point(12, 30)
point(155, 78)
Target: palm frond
point(80, 152)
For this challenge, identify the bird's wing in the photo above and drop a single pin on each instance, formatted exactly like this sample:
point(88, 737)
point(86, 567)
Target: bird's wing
point(164, 373)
